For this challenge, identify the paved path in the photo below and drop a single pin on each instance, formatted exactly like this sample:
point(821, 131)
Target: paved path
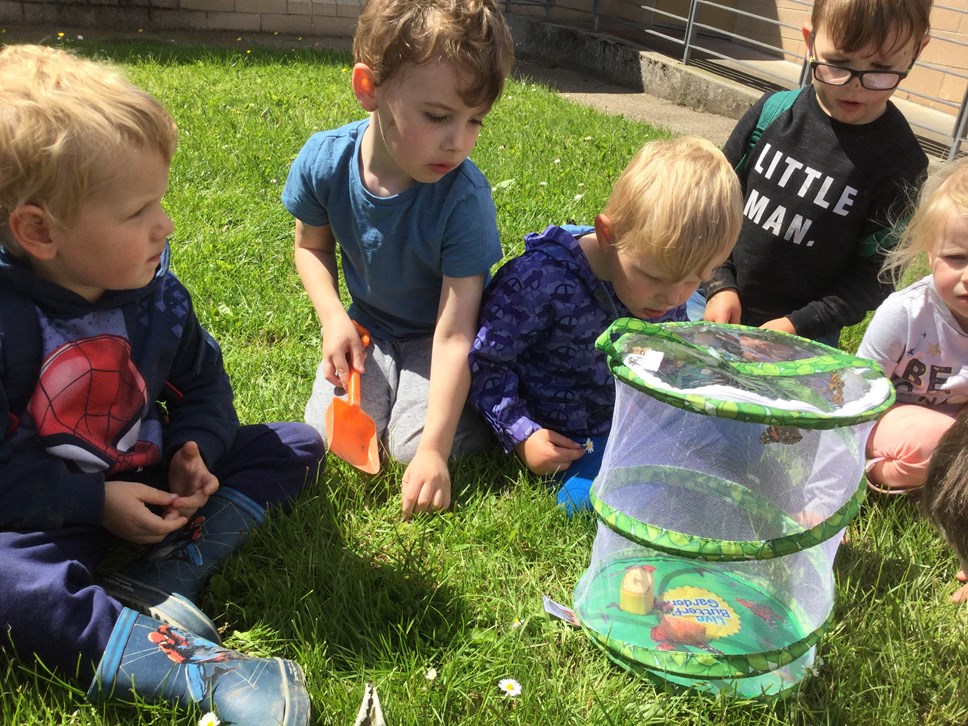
point(608, 98)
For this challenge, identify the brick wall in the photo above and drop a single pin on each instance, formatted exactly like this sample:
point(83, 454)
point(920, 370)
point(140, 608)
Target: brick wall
point(309, 17)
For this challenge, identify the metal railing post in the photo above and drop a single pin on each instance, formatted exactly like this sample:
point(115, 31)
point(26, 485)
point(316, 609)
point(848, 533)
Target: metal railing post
point(960, 124)
point(690, 29)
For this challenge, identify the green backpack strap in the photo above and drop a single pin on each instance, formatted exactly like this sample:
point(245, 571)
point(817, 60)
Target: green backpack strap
point(775, 104)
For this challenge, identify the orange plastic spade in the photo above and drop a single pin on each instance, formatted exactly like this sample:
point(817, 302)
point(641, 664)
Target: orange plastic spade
point(350, 433)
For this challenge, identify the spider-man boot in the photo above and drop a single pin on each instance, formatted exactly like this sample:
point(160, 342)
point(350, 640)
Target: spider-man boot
point(158, 662)
point(166, 582)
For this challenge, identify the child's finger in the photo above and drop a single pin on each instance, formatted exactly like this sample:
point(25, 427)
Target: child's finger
point(569, 454)
point(563, 442)
point(407, 501)
point(158, 497)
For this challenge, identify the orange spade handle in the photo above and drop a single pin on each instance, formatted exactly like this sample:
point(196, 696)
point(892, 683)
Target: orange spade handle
point(364, 334)
point(353, 384)
point(353, 388)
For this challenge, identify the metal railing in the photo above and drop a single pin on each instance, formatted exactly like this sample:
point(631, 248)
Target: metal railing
point(699, 42)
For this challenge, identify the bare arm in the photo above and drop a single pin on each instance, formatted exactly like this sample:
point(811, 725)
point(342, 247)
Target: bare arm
point(426, 482)
point(315, 257)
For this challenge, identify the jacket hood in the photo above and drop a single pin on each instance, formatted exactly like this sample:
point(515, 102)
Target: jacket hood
point(17, 275)
point(561, 245)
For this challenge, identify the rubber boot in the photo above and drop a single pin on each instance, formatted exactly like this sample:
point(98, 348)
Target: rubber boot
point(160, 663)
point(166, 582)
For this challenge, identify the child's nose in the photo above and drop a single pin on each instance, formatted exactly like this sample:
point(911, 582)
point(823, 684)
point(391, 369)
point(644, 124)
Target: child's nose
point(677, 293)
point(460, 137)
point(165, 226)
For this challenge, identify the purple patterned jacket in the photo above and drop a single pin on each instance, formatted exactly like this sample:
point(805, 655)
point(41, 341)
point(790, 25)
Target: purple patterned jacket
point(534, 364)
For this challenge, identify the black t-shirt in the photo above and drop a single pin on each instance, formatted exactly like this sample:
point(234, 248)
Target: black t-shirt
point(821, 198)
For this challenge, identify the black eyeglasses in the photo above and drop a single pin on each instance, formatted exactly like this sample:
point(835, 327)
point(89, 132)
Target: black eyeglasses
point(871, 80)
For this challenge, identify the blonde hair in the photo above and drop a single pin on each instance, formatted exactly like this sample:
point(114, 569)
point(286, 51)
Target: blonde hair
point(62, 121)
point(857, 24)
point(681, 200)
point(471, 34)
point(944, 193)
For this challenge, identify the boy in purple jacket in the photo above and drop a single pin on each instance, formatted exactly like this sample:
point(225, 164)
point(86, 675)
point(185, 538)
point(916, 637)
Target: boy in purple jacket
point(537, 378)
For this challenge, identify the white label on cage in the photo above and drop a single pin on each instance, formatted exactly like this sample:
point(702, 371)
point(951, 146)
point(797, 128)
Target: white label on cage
point(650, 360)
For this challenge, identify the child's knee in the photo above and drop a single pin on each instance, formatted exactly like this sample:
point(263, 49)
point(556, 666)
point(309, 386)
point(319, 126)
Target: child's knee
point(402, 448)
point(902, 469)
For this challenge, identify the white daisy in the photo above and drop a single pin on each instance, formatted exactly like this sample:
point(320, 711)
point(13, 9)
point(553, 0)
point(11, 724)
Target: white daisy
point(509, 687)
point(209, 719)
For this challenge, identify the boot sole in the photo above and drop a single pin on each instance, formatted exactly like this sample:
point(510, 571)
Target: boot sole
point(298, 707)
point(167, 607)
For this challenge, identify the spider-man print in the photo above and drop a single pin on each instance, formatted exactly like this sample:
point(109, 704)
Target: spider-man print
point(183, 648)
point(182, 545)
point(88, 405)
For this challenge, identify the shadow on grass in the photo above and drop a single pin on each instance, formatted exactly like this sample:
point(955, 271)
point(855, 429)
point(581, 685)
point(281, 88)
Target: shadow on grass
point(342, 572)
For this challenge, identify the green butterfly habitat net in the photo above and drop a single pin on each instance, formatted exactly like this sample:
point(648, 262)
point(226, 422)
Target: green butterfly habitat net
point(734, 463)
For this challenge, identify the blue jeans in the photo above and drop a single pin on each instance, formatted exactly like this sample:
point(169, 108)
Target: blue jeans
point(576, 480)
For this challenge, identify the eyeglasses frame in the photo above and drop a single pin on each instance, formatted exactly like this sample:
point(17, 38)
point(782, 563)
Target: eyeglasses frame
point(813, 62)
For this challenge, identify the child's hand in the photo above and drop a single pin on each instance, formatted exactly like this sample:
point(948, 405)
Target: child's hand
point(781, 324)
point(127, 514)
point(548, 452)
point(426, 484)
point(341, 347)
point(962, 594)
point(724, 307)
point(190, 480)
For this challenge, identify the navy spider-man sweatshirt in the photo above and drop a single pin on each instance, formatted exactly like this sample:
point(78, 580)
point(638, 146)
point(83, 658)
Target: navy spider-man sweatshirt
point(89, 391)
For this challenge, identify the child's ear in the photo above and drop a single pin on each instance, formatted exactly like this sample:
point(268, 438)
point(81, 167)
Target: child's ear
point(364, 86)
point(807, 33)
point(603, 230)
point(30, 229)
point(924, 41)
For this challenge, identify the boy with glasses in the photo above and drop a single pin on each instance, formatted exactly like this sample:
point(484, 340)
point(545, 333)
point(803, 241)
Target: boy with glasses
point(827, 179)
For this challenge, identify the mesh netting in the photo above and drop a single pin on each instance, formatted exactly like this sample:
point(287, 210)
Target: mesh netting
point(733, 489)
point(735, 460)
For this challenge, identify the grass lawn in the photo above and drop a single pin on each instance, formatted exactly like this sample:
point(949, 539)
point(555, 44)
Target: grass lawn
point(351, 592)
